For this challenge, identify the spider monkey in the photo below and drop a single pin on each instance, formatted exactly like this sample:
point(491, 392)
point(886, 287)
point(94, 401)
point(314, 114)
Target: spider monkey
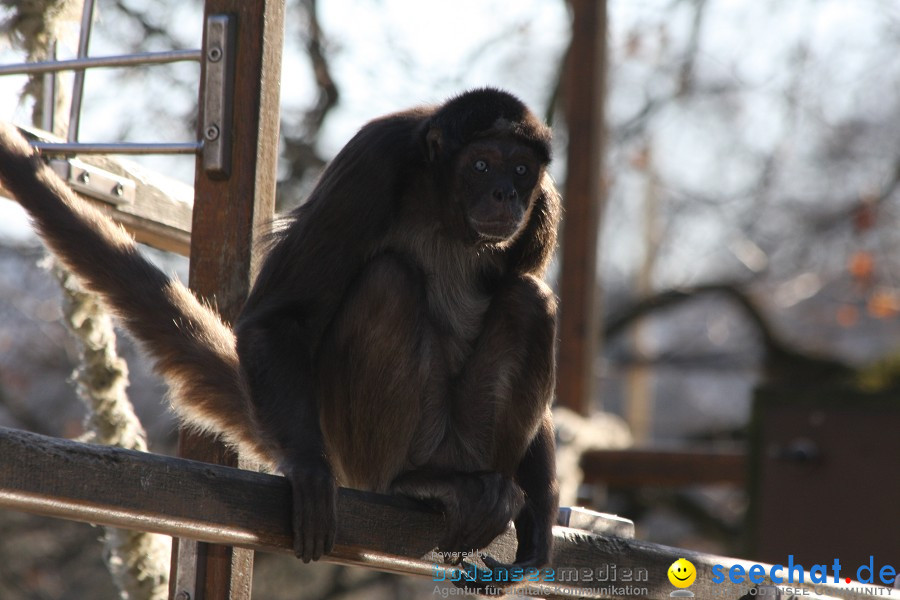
point(399, 337)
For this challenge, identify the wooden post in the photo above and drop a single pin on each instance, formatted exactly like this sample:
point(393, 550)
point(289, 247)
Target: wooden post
point(231, 207)
point(579, 307)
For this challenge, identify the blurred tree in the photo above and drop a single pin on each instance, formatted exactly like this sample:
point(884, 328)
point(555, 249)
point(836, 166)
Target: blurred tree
point(775, 174)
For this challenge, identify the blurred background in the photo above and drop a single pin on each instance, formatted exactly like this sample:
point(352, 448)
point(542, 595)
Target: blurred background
point(747, 265)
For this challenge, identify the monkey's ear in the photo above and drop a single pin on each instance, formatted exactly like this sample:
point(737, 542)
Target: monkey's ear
point(434, 139)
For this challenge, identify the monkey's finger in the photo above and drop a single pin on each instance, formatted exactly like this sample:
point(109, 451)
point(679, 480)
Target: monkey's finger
point(454, 537)
point(327, 518)
point(308, 535)
point(303, 534)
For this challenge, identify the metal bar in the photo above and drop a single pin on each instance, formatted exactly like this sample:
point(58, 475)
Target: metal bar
point(118, 148)
point(48, 99)
point(123, 60)
point(95, 182)
point(84, 40)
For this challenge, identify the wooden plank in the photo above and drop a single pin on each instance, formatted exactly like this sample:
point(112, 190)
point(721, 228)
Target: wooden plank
point(134, 490)
point(161, 213)
point(635, 468)
point(231, 208)
point(579, 307)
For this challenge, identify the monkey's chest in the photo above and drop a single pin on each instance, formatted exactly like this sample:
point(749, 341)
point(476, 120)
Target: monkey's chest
point(457, 315)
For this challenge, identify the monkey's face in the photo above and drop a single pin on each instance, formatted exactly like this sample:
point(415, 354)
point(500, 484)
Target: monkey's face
point(494, 186)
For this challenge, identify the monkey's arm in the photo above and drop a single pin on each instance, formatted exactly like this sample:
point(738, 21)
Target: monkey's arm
point(281, 384)
point(537, 477)
point(301, 285)
point(191, 346)
point(278, 335)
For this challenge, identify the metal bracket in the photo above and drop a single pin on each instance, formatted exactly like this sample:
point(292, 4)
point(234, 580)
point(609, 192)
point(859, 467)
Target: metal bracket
point(576, 517)
point(95, 182)
point(186, 571)
point(215, 132)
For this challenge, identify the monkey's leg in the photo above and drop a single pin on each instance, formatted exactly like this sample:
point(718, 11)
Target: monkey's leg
point(505, 394)
point(537, 476)
point(377, 372)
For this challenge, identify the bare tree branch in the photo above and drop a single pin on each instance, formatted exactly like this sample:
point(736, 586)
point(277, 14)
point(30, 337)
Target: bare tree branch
point(299, 152)
point(783, 362)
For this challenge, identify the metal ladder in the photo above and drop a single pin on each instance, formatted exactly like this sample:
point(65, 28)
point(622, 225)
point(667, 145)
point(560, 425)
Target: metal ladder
point(218, 55)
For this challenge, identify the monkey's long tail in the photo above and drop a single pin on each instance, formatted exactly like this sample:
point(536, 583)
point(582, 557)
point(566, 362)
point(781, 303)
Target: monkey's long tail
point(193, 349)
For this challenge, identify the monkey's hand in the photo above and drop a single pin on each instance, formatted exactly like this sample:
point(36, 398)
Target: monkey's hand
point(477, 507)
point(314, 509)
point(482, 509)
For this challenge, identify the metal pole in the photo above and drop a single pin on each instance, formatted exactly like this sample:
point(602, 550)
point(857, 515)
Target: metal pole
point(49, 95)
point(125, 60)
point(84, 40)
point(118, 148)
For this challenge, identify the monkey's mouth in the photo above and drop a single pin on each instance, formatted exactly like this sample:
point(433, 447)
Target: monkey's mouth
point(494, 230)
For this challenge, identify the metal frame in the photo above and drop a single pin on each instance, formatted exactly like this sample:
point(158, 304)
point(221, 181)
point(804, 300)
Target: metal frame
point(218, 54)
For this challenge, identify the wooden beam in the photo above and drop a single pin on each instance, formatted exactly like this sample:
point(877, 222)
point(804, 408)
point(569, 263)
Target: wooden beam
point(232, 206)
point(635, 468)
point(583, 92)
point(222, 505)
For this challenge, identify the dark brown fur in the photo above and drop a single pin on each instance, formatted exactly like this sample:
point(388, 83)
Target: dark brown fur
point(398, 338)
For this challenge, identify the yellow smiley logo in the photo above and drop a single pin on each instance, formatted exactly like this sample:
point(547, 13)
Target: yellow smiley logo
point(682, 573)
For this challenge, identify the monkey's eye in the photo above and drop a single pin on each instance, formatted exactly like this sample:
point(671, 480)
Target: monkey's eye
point(521, 169)
point(480, 166)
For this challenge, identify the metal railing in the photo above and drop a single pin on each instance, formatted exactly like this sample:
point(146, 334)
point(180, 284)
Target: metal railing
point(79, 65)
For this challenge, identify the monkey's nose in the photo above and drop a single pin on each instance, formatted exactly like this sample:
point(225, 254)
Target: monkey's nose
point(505, 194)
